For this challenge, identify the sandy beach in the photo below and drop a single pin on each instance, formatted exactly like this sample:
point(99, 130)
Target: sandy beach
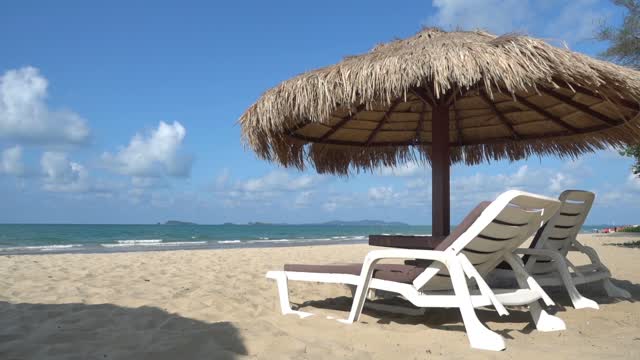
point(216, 304)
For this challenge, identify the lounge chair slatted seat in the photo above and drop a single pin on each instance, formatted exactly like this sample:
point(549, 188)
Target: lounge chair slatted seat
point(546, 258)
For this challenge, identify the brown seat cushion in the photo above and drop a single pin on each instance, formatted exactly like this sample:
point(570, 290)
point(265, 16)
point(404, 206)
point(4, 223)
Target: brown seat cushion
point(391, 272)
point(418, 242)
point(455, 234)
point(463, 226)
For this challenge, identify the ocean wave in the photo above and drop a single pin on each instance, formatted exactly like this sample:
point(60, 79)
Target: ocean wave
point(157, 244)
point(41, 248)
point(144, 241)
point(229, 241)
point(270, 241)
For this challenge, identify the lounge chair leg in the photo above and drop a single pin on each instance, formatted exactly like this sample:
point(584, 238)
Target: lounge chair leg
point(544, 321)
point(283, 291)
point(614, 291)
point(362, 290)
point(479, 336)
point(578, 300)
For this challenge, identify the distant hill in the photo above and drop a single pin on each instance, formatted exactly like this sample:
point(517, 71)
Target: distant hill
point(340, 223)
point(176, 222)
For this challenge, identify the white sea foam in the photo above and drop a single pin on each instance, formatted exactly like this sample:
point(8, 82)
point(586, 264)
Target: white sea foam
point(153, 243)
point(137, 242)
point(270, 241)
point(41, 248)
point(229, 241)
point(301, 240)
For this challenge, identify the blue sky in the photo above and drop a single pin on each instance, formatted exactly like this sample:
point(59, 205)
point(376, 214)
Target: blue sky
point(126, 113)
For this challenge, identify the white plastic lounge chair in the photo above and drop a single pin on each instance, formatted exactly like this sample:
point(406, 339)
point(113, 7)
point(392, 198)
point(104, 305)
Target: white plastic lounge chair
point(485, 238)
point(546, 259)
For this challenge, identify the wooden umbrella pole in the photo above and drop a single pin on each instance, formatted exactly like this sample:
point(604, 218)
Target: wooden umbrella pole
point(440, 167)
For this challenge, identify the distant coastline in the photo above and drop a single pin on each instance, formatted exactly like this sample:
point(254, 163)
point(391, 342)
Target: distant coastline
point(327, 223)
point(332, 223)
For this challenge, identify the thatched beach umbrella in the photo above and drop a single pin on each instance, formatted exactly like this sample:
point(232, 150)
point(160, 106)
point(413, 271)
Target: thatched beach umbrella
point(443, 98)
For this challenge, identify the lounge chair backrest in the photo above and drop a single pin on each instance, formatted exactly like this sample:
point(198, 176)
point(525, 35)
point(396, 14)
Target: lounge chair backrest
point(563, 228)
point(501, 227)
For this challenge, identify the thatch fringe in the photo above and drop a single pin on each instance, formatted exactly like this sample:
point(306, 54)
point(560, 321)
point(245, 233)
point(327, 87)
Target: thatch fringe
point(442, 62)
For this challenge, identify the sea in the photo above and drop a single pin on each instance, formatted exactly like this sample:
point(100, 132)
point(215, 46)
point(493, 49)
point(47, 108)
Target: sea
point(16, 239)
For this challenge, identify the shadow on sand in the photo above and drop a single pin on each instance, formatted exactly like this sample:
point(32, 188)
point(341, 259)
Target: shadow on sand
point(105, 331)
point(450, 318)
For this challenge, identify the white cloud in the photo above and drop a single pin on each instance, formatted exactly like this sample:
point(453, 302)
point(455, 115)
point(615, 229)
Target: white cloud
point(277, 181)
point(25, 117)
point(561, 182)
point(499, 16)
point(276, 186)
point(381, 193)
point(419, 183)
point(411, 168)
point(568, 26)
point(223, 178)
point(633, 182)
point(11, 162)
point(62, 175)
point(558, 20)
point(627, 193)
point(343, 201)
point(330, 206)
point(303, 199)
point(153, 155)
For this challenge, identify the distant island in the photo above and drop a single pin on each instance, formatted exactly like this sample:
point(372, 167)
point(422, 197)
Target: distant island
point(340, 223)
point(176, 222)
point(328, 223)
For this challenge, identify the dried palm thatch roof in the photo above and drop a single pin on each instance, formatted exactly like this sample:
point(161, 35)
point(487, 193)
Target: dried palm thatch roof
point(509, 97)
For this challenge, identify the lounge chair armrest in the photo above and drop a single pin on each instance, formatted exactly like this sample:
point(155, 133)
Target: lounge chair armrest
point(551, 254)
point(589, 251)
point(406, 241)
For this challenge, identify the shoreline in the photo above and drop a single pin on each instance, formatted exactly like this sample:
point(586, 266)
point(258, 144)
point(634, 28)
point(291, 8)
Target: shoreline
point(159, 246)
point(97, 249)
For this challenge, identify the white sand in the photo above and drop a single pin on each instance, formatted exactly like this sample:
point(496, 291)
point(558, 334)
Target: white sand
point(216, 304)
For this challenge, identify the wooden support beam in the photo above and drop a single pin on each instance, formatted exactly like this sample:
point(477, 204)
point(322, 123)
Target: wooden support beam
point(460, 93)
point(382, 121)
point(342, 122)
point(631, 105)
point(425, 95)
point(546, 114)
point(582, 107)
point(503, 119)
point(299, 126)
